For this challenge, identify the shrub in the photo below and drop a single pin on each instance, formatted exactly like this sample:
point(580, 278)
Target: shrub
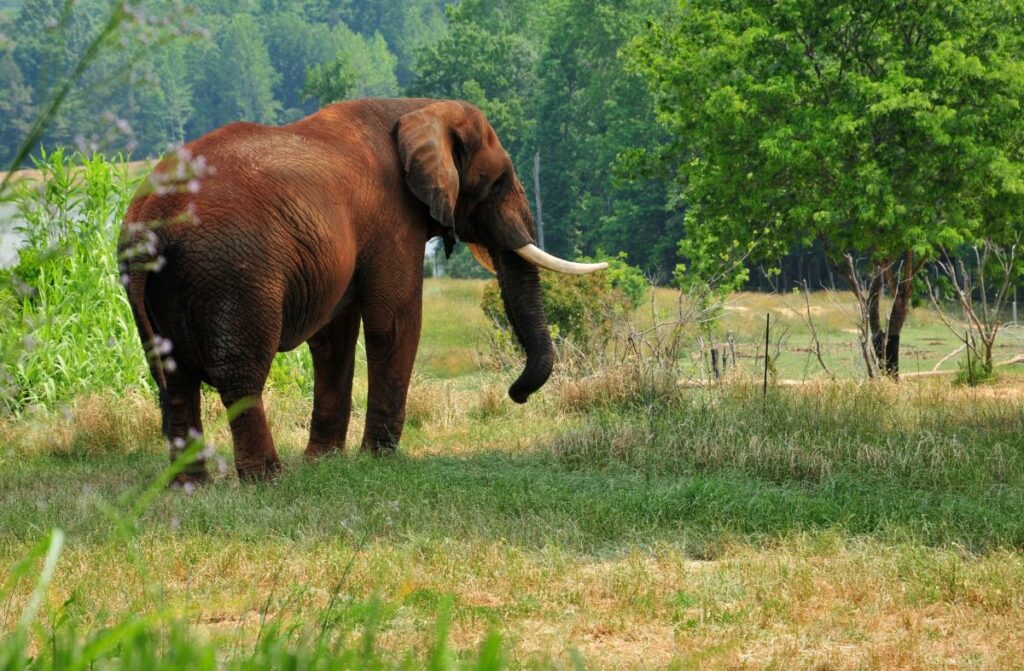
point(581, 309)
point(67, 328)
point(628, 279)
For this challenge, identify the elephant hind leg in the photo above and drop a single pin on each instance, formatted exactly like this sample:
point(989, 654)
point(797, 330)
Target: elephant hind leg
point(334, 352)
point(182, 422)
point(239, 343)
point(255, 456)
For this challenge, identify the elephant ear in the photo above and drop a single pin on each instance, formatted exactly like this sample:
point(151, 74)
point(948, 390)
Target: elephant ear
point(427, 142)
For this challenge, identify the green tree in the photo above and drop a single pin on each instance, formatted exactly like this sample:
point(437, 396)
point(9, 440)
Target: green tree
point(884, 130)
point(241, 80)
point(406, 26)
point(295, 45)
point(362, 67)
point(589, 112)
point(177, 92)
point(489, 66)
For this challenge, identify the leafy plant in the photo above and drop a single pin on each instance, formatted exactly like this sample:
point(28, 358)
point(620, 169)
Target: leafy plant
point(581, 309)
point(52, 347)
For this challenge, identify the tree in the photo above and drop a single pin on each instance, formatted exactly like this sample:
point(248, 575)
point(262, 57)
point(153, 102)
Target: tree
point(406, 26)
point(177, 92)
point(590, 112)
point(242, 78)
point(362, 67)
point(296, 45)
point(488, 66)
point(886, 131)
point(15, 108)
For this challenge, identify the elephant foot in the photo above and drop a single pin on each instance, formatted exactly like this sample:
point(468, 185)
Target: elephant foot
point(319, 450)
point(189, 480)
point(260, 470)
point(386, 448)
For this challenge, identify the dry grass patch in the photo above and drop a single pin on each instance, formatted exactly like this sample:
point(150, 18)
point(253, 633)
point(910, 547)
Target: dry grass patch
point(858, 605)
point(104, 423)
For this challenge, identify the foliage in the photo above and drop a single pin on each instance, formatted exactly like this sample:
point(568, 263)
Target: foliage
point(623, 277)
point(880, 129)
point(362, 67)
point(581, 309)
point(462, 265)
point(67, 325)
point(168, 81)
point(242, 83)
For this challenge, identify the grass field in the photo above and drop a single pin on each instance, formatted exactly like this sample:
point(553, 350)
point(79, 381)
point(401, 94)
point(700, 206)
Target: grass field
point(616, 521)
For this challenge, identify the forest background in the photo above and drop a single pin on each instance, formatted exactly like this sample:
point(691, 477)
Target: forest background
point(547, 74)
point(843, 128)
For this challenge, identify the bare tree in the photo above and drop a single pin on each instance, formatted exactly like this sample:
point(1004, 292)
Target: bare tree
point(868, 297)
point(807, 316)
point(982, 294)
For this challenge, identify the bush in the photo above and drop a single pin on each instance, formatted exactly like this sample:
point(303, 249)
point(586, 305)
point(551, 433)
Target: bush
point(67, 327)
point(628, 279)
point(581, 309)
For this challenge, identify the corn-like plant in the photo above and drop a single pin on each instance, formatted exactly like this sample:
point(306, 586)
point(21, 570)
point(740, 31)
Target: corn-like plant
point(67, 324)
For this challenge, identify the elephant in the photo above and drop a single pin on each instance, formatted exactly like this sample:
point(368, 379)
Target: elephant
point(305, 232)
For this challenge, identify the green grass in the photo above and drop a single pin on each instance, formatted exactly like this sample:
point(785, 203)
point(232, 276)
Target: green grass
point(618, 520)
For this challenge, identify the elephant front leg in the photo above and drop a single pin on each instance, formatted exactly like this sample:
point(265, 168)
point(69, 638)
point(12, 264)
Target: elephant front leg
point(334, 353)
point(390, 353)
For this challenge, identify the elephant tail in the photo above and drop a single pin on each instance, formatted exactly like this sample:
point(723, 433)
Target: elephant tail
point(140, 257)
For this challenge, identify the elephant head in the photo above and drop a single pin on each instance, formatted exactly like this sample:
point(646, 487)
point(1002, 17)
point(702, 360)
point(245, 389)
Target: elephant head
point(456, 165)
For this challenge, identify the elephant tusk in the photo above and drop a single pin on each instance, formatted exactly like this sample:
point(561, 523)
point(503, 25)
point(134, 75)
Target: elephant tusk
point(482, 256)
point(539, 257)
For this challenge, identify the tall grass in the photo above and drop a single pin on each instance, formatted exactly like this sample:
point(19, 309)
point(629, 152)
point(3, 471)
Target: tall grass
point(67, 325)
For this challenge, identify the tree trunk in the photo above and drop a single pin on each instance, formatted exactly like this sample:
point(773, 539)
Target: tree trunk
point(887, 342)
point(874, 302)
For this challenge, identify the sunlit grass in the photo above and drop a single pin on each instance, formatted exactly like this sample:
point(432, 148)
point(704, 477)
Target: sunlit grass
point(626, 514)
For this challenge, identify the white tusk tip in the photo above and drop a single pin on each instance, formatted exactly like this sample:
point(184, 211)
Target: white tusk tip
point(538, 257)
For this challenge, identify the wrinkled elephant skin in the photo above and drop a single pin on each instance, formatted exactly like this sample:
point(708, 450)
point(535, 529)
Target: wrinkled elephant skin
point(254, 239)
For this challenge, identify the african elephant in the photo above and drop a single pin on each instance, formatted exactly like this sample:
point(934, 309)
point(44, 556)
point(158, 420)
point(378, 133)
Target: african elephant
point(301, 232)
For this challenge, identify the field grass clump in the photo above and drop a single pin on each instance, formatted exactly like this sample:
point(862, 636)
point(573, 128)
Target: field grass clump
point(810, 433)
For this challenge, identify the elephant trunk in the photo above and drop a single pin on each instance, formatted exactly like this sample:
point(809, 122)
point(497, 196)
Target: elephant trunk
point(519, 282)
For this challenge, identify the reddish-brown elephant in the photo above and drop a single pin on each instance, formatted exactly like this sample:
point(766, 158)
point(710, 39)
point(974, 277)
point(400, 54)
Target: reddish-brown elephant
point(299, 233)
